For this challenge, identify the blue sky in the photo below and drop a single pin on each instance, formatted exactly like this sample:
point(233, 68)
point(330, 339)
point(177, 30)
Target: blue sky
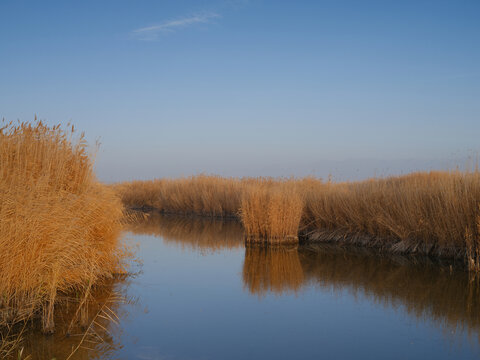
point(171, 88)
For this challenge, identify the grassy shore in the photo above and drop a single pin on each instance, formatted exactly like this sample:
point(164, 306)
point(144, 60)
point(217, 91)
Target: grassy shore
point(59, 226)
point(434, 213)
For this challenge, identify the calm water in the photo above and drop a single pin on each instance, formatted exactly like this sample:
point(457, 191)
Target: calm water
point(200, 294)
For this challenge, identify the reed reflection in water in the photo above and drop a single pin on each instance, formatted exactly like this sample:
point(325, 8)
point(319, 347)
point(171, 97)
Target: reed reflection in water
point(274, 269)
point(197, 233)
point(427, 290)
point(431, 292)
point(85, 328)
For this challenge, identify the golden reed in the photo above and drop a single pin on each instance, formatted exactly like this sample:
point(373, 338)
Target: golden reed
point(59, 226)
point(270, 209)
point(433, 213)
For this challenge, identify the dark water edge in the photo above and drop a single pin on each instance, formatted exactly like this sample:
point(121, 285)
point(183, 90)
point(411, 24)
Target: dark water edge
point(201, 294)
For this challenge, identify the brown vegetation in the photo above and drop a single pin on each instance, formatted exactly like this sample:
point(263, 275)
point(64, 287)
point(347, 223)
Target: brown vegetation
point(269, 209)
point(59, 226)
point(196, 195)
point(431, 213)
point(422, 212)
point(272, 212)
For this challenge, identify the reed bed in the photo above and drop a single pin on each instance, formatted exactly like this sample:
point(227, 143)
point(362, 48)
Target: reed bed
point(60, 227)
point(431, 213)
point(435, 213)
point(212, 196)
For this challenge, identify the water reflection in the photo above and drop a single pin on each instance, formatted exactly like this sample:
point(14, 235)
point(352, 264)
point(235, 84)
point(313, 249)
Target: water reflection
point(85, 328)
point(204, 234)
point(424, 288)
point(274, 269)
point(177, 288)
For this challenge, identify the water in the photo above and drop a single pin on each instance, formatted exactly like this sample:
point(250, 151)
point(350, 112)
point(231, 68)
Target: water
point(201, 294)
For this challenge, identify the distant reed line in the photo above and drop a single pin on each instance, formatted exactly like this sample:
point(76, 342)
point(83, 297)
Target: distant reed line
point(435, 213)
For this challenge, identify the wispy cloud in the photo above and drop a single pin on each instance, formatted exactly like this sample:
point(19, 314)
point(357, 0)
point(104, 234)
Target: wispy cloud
point(153, 32)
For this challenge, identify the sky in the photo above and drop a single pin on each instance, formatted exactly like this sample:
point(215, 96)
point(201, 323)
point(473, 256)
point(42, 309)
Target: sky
point(250, 88)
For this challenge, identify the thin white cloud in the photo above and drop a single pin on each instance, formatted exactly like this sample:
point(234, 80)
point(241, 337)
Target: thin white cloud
point(152, 32)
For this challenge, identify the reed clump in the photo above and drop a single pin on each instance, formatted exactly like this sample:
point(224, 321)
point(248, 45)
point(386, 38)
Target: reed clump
point(272, 212)
point(59, 228)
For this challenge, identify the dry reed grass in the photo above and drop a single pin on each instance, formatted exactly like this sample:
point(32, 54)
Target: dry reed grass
point(60, 227)
point(272, 213)
point(270, 209)
point(430, 213)
point(197, 195)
